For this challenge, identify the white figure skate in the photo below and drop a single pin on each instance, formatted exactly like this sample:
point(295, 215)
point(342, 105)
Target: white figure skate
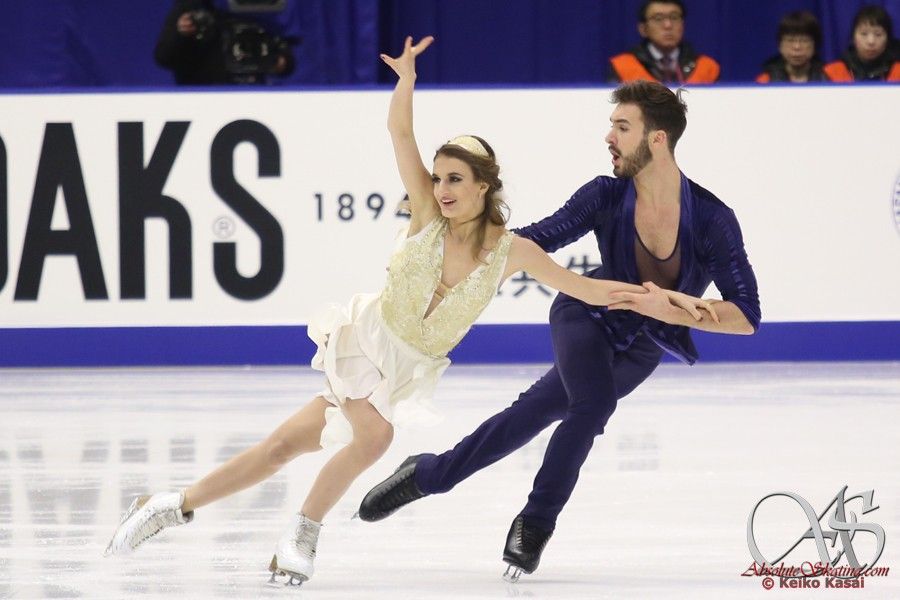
point(147, 516)
point(295, 552)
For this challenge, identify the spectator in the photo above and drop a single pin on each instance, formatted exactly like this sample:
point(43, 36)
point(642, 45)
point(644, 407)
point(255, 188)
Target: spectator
point(662, 54)
point(872, 55)
point(797, 61)
point(203, 45)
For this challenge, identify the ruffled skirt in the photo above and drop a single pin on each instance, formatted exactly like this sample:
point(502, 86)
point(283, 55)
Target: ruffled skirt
point(362, 358)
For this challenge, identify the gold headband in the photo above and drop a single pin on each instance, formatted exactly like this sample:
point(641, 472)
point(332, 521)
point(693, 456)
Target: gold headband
point(469, 144)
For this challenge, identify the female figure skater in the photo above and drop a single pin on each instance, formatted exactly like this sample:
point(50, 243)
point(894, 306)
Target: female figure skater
point(383, 354)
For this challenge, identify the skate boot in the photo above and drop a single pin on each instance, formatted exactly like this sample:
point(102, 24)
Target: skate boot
point(147, 516)
point(295, 552)
point(393, 493)
point(524, 544)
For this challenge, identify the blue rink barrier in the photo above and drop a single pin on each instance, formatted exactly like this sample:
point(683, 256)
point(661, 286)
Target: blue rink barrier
point(289, 345)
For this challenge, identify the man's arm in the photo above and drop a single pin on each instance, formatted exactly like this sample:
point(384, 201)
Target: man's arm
point(732, 274)
point(576, 217)
point(731, 319)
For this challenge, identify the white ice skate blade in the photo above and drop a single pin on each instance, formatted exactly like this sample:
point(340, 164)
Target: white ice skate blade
point(514, 576)
point(293, 579)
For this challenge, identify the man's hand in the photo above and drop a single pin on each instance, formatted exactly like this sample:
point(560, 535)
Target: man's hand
point(281, 64)
point(664, 305)
point(185, 25)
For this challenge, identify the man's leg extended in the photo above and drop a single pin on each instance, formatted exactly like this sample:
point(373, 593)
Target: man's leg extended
point(542, 404)
point(506, 431)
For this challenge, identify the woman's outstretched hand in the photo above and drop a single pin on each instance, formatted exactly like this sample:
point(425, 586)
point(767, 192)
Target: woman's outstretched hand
point(405, 64)
point(691, 304)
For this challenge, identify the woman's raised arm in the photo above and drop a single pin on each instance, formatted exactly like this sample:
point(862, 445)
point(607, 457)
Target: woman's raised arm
point(415, 176)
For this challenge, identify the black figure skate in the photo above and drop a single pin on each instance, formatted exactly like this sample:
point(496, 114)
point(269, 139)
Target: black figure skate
point(524, 544)
point(393, 493)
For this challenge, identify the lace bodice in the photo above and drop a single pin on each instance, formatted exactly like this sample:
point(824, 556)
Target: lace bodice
point(413, 276)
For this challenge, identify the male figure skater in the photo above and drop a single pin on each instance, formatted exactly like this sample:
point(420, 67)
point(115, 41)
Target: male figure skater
point(652, 225)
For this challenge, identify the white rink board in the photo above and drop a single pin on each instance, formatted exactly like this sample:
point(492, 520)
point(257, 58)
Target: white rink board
point(810, 172)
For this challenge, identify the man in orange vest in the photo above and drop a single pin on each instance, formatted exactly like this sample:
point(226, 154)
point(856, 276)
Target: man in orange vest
point(663, 55)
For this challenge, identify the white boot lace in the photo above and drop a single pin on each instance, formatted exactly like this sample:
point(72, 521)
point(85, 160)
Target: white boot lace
point(306, 536)
point(150, 525)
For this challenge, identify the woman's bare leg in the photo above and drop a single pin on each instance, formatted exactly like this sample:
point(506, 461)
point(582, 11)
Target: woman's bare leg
point(372, 435)
point(298, 435)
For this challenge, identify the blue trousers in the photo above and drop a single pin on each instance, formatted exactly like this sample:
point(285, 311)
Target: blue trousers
point(581, 390)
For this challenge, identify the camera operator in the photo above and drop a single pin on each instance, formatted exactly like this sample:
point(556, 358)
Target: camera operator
point(203, 45)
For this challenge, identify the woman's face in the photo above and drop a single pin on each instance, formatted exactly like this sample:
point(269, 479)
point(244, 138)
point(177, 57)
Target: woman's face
point(870, 40)
point(459, 195)
point(797, 50)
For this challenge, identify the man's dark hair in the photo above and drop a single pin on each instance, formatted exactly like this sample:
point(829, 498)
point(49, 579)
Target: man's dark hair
point(660, 107)
point(875, 15)
point(642, 12)
point(801, 22)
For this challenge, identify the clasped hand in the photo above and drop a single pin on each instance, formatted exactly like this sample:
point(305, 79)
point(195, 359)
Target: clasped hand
point(663, 305)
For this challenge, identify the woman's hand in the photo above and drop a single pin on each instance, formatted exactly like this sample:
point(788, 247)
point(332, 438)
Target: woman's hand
point(691, 304)
point(405, 64)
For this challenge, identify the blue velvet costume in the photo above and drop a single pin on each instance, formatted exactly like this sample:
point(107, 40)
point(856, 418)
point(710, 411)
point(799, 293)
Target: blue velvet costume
point(600, 355)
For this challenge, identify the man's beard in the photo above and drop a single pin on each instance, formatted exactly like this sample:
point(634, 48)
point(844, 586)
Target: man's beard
point(632, 164)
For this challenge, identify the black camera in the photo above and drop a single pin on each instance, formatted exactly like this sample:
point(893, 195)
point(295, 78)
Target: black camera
point(250, 51)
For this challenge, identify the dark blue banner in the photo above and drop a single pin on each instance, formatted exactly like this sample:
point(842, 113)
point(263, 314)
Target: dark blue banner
point(59, 43)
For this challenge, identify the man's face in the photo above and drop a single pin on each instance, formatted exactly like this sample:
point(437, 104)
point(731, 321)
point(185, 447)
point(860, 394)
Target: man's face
point(627, 141)
point(663, 25)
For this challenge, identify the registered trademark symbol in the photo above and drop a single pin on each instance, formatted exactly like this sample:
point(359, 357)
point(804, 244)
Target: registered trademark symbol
point(223, 227)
